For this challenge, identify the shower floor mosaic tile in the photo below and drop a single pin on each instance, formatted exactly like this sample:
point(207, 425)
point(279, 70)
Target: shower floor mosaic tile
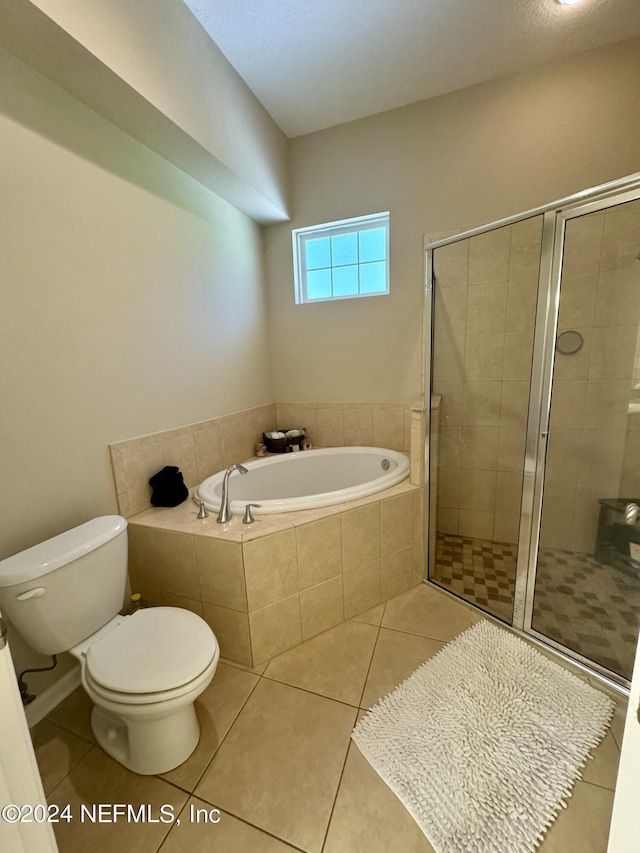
point(275, 756)
point(587, 606)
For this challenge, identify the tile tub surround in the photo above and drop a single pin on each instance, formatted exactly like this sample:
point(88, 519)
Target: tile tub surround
point(204, 448)
point(267, 587)
point(198, 450)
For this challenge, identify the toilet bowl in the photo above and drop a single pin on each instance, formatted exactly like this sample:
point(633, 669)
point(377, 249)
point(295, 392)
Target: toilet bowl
point(143, 672)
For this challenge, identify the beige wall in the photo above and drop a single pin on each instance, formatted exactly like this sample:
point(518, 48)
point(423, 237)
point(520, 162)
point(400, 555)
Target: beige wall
point(465, 158)
point(132, 300)
point(151, 69)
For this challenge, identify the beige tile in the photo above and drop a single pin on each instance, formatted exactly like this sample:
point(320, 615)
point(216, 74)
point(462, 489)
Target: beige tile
point(419, 560)
point(117, 465)
point(231, 443)
point(321, 607)
point(484, 357)
point(368, 817)
point(480, 448)
point(57, 752)
point(396, 523)
point(506, 528)
point(330, 428)
point(208, 452)
point(419, 515)
point(577, 300)
point(231, 835)
point(256, 670)
point(396, 572)
point(358, 427)
point(221, 572)
point(451, 264)
point(514, 406)
point(613, 351)
point(361, 589)
point(583, 244)
point(448, 356)
point(511, 449)
point(489, 256)
point(217, 707)
point(482, 403)
point(397, 655)
point(560, 495)
point(388, 428)
point(285, 751)
point(477, 490)
point(74, 714)
point(603, 769)
point(518, 355)
point(568, 398)
point(584, 825)
point(521, 306)
point(526, 240)
point(168, 599)
point(232, 631)
point(429, 613)
point(508, 493)
point(448, 520)
point(270, 567)
point(452, 403)
point(450, 309)
point(181, 452)
point(476, 524)
point(163, 560)
point(450, 448)
point(486, 308)
point(620, 238)
point(139, 465)
point(333, 664)
point(619, 717)
point(249, 435)
point(360, 536)
point(606, 404)
point(275, 628)
point(371, 617)
point(319, 551)
point(99, 779)
point(449, 487)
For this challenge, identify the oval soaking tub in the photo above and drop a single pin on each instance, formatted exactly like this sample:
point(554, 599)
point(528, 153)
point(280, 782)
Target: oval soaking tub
point(311, 478)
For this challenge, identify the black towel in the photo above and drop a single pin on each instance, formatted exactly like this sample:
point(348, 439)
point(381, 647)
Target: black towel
point(168, 487)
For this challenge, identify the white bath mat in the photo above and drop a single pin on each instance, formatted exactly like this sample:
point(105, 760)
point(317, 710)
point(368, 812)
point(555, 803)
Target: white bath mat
point(484, 741)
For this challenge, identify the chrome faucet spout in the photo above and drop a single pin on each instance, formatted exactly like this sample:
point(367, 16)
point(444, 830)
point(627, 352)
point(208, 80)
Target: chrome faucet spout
point(225, 513)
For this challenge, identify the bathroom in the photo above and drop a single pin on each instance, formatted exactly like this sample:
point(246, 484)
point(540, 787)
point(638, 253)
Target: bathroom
point(137, 300)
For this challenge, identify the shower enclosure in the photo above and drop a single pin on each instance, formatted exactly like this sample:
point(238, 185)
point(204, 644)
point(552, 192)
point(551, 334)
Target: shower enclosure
point(534, 359)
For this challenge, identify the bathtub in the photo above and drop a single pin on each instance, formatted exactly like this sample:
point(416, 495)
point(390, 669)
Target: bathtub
point(308, 479)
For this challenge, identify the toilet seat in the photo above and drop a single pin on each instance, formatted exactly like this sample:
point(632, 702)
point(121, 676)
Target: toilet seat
point(160, 650)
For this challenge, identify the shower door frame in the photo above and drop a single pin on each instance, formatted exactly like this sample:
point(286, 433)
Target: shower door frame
point(555, 217)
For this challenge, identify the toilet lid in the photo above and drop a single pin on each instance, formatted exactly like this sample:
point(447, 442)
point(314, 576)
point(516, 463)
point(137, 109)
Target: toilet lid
point(153, 650)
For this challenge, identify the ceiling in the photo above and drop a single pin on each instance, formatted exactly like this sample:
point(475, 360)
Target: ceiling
point(317, 63)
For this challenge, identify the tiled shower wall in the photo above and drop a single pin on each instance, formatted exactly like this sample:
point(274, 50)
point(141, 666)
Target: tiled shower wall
point(594, 438)
point(484, 317)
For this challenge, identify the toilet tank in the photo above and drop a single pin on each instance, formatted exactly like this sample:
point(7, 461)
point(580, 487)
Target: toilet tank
point(61, 591)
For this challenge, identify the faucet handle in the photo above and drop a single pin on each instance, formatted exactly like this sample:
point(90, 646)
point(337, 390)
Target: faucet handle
point(248, 518)
point(202, 513)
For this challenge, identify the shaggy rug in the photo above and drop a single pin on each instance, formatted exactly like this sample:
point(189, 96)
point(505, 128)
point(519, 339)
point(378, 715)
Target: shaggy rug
point(484, 741)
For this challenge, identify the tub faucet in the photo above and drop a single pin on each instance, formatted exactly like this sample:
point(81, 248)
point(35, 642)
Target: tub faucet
point(225, 513)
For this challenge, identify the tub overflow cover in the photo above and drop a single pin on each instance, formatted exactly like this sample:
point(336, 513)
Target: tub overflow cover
point(385, 464)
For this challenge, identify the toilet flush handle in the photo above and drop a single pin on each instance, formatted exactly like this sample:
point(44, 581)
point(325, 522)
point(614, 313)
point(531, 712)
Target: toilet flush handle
point(36, 592)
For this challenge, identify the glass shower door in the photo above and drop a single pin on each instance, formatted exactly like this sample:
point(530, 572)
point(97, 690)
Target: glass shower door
point(586, 592)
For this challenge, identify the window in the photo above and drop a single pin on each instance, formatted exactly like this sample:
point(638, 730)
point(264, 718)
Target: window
point(342, 260)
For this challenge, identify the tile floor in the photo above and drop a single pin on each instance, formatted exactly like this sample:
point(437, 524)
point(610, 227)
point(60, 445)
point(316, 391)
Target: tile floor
point(574, 593)
point(275, 755)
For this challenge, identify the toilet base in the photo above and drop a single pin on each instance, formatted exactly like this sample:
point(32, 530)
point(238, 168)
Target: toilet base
point(147, 744)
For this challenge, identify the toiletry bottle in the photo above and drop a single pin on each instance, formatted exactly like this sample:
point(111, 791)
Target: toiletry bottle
point(137, 602)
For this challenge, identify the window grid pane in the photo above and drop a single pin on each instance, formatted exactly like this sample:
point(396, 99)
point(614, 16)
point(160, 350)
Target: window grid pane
point(341, 262)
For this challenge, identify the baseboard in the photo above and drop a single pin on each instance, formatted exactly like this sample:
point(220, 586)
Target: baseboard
point(52, 696)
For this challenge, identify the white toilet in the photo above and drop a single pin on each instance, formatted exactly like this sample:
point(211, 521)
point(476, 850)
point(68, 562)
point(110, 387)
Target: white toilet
point(143, 672)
